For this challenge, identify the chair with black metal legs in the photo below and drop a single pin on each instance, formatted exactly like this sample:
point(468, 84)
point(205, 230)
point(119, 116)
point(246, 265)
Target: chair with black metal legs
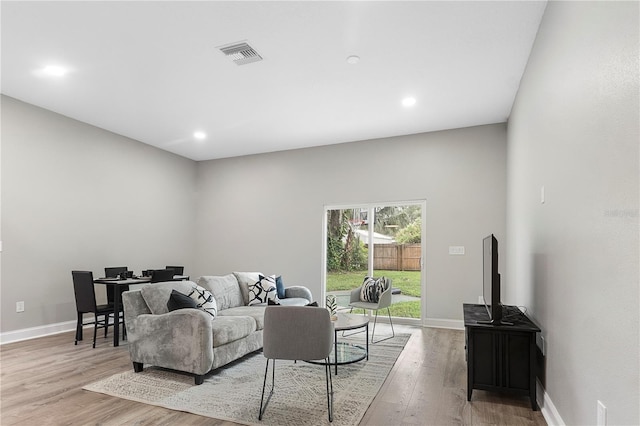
point(86, 304)
point(296, 333)
point(115, 272)
point(377, 294)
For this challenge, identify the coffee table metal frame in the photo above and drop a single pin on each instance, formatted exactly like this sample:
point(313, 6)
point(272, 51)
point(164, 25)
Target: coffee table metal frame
point(343, 323)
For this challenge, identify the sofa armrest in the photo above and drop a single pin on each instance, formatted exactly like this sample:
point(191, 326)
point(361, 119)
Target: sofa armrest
point(298, 291)
point(181, 340)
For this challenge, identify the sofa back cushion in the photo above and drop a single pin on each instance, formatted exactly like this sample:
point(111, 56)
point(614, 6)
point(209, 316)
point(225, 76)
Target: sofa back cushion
point(225, 290)
point(157, 295)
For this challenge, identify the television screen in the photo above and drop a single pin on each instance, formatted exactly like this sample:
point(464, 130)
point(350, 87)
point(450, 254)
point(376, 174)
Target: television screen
point(491, 278)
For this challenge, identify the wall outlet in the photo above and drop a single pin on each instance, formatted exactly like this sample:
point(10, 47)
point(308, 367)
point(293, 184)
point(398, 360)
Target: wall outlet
point(602, 414)
point(19, 306)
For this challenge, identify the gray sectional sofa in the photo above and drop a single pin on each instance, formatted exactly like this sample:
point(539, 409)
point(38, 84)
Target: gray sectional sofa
point(190, 340)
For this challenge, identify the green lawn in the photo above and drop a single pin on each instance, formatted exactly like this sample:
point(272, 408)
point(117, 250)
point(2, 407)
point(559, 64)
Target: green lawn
point(407, 281)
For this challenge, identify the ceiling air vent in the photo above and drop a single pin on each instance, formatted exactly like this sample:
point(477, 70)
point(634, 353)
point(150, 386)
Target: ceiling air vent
point(241, 53)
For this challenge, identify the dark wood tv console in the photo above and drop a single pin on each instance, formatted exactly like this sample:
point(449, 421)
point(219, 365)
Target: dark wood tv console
point(500, 358)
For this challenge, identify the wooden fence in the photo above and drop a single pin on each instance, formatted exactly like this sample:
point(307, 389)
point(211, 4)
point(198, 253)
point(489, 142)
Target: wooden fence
point(397, 257)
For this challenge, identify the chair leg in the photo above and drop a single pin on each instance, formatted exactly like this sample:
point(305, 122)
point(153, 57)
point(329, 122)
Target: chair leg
point(329, 380)
point(106, 324)
point(79, 328)
point(393, 332)
point(263, 407)
point(124, 328)
point(95, 330)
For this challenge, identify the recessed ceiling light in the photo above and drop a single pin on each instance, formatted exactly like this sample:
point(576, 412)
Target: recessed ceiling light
point(353, 59)
point(200, 135)
point(408, 102)
point(54, 71)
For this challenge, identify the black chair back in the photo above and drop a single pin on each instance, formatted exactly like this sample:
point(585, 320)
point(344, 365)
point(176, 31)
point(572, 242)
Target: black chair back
point(114, 271)
point(160, 275)
point(177, 270)
point(84, 291)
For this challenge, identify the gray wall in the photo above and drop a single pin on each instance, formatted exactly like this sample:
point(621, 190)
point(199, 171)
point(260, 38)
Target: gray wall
point(574, 129)
point(265, 212)
point(78, 197)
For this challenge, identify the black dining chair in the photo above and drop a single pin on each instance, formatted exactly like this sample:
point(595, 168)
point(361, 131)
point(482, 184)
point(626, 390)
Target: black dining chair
point(177, 270)
point(114, 272)
point(86, 304)
point(159, 275)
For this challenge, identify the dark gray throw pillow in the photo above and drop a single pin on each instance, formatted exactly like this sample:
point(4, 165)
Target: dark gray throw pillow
point(272, 303)
point(178, 300)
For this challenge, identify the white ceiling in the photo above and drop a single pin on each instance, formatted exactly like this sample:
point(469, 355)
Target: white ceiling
point(152, 71)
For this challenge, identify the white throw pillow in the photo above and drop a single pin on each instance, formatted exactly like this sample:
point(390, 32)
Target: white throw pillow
point(246, 279)
point(263, 290)
point(204, 300)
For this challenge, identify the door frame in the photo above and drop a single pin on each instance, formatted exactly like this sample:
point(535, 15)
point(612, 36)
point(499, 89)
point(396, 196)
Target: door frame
point(423, 248)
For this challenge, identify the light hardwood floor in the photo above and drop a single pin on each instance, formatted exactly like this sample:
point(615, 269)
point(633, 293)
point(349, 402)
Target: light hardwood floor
point(42, 379)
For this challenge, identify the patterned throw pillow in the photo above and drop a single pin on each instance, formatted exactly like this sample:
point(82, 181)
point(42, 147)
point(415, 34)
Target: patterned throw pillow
point(263, 290)
point(204, 300)
point(372, 288)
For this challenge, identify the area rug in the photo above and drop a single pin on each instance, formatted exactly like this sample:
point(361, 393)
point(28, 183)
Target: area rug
point(233, 392)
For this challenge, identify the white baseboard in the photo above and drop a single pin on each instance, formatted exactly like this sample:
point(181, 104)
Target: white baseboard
point(548, 410)
point(33, 332)
point(429, 322)
point(444, 323)
point(63, 327)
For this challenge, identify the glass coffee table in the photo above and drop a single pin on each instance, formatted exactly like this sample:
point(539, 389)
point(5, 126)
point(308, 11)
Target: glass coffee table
point(347, 352)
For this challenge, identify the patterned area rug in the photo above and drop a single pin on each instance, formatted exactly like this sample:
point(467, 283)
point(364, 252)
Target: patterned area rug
point(233, 392)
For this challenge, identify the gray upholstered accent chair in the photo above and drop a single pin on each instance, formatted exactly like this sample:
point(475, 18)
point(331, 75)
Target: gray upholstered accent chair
point(308, 335)
point(384, 301)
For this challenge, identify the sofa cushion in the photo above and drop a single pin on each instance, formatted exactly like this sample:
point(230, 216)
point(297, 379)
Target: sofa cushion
point(157, 295)
point(261, 291)
point(178, 300)
point(225, 290)
point(229, 329)
point(256, 312)
point(244, 280)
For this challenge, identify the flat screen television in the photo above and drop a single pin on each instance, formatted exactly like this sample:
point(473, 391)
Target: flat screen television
point(491, 279)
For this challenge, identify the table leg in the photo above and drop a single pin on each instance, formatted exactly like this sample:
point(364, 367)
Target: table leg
point(367, 340)
point(116, 316)
point(335, 349)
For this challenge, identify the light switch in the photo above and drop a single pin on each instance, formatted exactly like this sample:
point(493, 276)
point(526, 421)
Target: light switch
point(456, 250)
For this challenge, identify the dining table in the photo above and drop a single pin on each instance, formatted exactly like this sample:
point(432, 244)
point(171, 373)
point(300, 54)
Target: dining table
point(117, 284)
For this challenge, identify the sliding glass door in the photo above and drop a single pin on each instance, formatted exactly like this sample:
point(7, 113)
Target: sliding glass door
point(376, 240)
